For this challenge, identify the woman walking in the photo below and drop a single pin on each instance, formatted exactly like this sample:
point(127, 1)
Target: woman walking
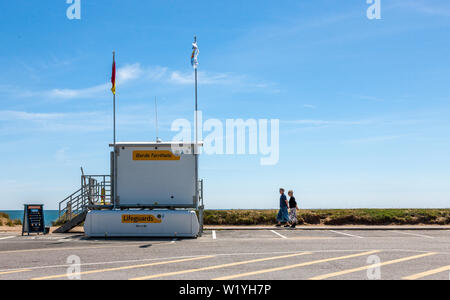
point(292, 209)
point(283, 215)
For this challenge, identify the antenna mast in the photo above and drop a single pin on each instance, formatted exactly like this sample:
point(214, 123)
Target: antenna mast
point(156, 121)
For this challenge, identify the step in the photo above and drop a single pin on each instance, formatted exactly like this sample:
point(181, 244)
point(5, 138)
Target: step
point(72, 223)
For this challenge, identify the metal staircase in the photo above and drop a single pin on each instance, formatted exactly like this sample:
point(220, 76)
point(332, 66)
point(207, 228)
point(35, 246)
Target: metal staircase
point(95, 193)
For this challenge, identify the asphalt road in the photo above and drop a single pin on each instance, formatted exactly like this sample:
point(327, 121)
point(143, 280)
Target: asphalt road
point(233, 254)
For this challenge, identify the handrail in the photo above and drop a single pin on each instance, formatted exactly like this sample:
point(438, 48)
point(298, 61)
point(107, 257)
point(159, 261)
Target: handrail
point(200, 206)
point(93, 188)
point(70, 196)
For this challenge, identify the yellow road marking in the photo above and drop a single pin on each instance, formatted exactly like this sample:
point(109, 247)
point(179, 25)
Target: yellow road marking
point(219, 266)
point(427, 273)
point(295, 266)
point(390, 262)
point(14, 271)
point(126, 267)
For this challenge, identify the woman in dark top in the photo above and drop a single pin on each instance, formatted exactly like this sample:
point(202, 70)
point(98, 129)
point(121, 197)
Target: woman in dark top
point(292, 209)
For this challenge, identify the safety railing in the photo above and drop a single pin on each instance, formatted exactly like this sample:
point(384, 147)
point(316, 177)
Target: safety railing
point(95, 193)
point(200, 205)
point(97, 189)
point(72, 205)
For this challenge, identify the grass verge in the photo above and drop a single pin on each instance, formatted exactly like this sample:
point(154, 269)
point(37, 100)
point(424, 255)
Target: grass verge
point(325, 217)
point(6, 220)
point(333, 217)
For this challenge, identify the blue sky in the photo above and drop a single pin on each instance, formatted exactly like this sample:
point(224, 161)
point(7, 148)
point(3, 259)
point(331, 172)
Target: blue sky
point(363, 104)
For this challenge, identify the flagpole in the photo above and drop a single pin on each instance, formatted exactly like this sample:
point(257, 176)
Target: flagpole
point(114, 109)
point(196, 109)
point(196, 139)
point(196, 132)
point(114, 138)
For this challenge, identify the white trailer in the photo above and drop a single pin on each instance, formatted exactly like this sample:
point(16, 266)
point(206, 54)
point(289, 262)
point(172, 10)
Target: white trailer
point(155, 175)
point(133, 223)
point(155, 190)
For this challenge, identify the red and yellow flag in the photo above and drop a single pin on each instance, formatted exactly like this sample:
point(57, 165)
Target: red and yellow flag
point(113, 76)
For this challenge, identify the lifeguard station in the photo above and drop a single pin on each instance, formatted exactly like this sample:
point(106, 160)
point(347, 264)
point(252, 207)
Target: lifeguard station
point(153, 191)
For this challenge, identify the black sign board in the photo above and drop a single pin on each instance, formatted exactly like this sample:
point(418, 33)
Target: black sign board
point(33, 219)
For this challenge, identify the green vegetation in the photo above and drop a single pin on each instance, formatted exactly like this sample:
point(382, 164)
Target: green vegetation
point(5, 220)
point(60, 221)
point(323, 217)
point(63, 220)
point(333, 217)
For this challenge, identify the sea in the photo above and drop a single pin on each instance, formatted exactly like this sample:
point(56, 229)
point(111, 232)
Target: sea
point(49, 215)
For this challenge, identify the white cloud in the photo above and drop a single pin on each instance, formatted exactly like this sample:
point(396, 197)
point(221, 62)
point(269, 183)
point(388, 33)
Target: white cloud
point(125, 74)
point(325, 122)
point(21, 122)
point(26, 122)
point(374, 139)
point(9, 115)
point(77, 93)
point(177, 77)
point(427, 8)
point(129, 72)
point(135, 72)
